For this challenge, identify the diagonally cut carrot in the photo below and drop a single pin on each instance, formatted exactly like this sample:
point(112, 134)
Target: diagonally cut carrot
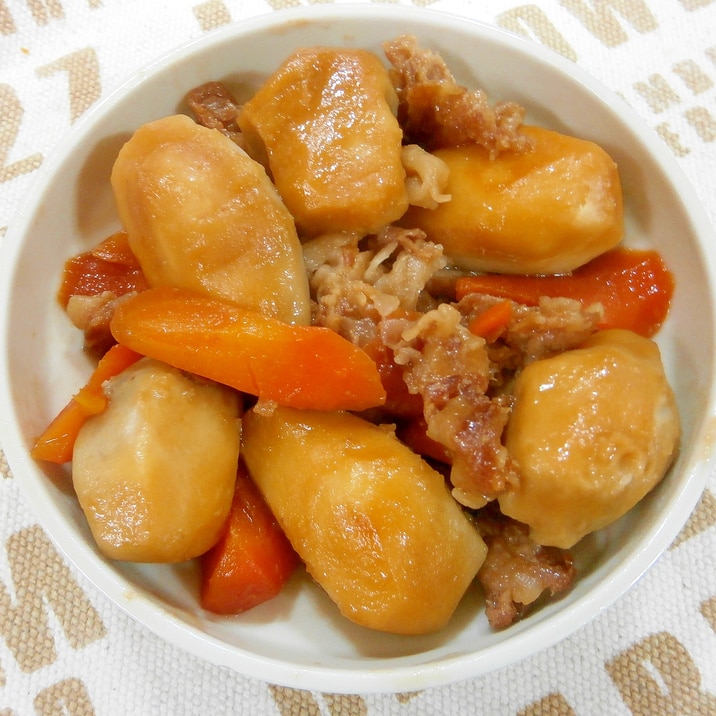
point(634, 287)
point(253, 558)
point(57, 441)
point(297, 366)
point(109, 266)
point(492, 321)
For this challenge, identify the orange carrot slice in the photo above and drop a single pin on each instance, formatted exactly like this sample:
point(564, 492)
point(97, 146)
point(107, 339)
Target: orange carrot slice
point(297, 366)
point(109, 266)
point(491, 322)
point(634, 287)
point(57, 441)
point(253, 558)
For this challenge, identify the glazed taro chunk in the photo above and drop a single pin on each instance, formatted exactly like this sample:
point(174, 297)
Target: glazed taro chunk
point(593, 430)
point(374, 524)
point(521, 199)
point(155, 472)
point(324, 125)
point(547, 210)
point(202, 215)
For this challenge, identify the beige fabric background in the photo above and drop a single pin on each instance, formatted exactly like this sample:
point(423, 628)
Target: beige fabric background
point(64, 649)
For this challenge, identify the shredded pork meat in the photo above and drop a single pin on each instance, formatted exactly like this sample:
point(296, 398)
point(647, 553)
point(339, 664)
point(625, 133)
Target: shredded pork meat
point(517, 570)
point(450, 368)
point(533, 332)
point(356, 283)
point(435, 111)
point(215, 107)
point(426, 177)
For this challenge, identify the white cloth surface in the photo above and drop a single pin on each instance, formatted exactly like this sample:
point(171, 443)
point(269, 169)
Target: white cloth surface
point(652, 652)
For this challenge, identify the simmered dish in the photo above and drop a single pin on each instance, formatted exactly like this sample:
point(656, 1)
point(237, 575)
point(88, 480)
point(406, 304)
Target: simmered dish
point(368, 322)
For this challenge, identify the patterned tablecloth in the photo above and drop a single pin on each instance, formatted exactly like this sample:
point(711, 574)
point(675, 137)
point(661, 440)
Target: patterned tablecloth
point(65, 649)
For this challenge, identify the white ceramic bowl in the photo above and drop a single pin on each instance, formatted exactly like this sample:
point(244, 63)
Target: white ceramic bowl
point(299, 639)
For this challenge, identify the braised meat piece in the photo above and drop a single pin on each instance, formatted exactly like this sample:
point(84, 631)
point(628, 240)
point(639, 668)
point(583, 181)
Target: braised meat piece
point(517, 570)
point(450, 368)
point(435, 111)
point(214, 106)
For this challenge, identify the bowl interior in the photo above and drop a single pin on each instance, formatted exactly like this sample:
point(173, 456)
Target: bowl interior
point(299, 639)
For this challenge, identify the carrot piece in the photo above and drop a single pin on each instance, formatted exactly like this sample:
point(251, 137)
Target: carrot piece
point(253, 558)
point(490, 323)
point(297, 366)
point(634, 287)
point(109, 266)
point(57, 441)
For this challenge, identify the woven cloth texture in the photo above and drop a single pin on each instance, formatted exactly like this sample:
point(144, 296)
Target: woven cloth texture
point(66, 649)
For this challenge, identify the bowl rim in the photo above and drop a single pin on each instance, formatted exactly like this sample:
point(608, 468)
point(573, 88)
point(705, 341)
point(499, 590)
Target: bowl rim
point(389, 675)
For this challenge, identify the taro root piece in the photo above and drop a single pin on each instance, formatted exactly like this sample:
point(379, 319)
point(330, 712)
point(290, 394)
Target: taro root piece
point(593, 430)
point(543, 211)
point(373, 522)
point(324, 125)
point(154, 473)
point(202, 215)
